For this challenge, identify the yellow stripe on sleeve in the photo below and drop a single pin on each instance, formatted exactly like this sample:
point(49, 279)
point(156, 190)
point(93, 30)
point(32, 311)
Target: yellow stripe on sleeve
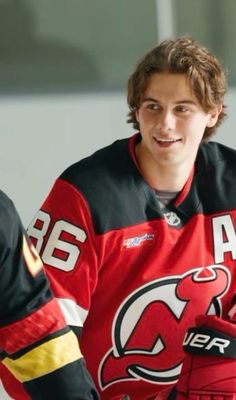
point(45, 358)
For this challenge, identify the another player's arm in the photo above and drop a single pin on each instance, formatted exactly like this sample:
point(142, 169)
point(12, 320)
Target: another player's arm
point(38, 348)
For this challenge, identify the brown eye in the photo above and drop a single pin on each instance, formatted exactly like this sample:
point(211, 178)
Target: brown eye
point(153, 107)
point(181, 109)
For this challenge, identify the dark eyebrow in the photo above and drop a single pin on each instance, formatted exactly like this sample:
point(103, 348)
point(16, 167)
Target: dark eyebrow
point(177, 102)
point(149, 99)
point(186, 102)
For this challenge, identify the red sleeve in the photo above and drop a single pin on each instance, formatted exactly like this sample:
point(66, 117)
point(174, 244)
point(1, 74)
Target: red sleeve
point(63, 234)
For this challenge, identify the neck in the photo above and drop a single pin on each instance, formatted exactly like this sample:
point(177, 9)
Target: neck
point(172, 180)
point(160, 176)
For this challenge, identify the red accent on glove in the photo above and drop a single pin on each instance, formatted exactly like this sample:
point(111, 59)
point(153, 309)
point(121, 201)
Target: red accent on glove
point(218, 324)
point(209, 377)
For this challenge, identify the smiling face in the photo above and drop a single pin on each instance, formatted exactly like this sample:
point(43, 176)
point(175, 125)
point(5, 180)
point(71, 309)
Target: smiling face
point(172, 123)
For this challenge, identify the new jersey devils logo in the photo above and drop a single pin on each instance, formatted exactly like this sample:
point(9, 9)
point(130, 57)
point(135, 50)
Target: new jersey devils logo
point(149, 326)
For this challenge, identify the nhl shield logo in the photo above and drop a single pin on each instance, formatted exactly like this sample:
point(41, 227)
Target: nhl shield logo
point(172, 218)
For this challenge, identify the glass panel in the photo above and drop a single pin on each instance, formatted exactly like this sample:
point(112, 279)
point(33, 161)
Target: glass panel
point(72, 45)
point(212, 23)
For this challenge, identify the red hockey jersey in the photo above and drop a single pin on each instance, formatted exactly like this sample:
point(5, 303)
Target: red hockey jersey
point(134, 275)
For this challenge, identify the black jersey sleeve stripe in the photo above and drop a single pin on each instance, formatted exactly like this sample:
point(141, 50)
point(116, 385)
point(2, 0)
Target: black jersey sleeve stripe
point(55, 385)
point(45, 358)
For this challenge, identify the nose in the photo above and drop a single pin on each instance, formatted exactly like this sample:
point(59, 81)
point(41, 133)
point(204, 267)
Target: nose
point(166, 121)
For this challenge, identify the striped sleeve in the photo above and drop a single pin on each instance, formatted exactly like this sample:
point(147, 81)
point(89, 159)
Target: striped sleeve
point(38, 349)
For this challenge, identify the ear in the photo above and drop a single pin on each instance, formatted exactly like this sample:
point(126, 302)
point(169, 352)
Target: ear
point(214, 115)
point(136, 115)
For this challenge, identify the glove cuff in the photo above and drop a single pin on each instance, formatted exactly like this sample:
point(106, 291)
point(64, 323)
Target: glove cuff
point(207, 341)
point(219, 324)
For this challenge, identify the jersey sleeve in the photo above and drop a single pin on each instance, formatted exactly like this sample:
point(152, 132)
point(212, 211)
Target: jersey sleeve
point(37, 347)
point(63, 234)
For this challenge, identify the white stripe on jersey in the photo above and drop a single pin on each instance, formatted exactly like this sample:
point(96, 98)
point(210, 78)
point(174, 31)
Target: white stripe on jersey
point(3, 393)
point(73, 314)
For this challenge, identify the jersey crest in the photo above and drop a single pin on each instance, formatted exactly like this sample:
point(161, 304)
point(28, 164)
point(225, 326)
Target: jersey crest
point(167, 307)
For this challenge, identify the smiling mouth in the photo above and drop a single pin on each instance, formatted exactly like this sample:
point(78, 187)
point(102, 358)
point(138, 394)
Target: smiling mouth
point(168, 141)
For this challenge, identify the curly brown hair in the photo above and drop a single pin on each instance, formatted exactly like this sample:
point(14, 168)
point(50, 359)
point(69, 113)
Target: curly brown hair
point(182, 56)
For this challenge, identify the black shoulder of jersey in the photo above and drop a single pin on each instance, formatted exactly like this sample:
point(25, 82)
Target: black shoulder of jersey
point(214, 152)
point(21, 292)
point(118, 196)
point(9, 220)
point(7, 207)
point(113, 188)
point(109, 160)
point(215, 175)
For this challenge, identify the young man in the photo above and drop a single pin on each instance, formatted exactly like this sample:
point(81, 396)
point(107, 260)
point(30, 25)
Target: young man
point(139, 239)
point(37, 347)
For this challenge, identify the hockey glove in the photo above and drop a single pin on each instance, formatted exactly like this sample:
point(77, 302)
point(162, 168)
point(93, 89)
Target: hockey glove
point(209, 368)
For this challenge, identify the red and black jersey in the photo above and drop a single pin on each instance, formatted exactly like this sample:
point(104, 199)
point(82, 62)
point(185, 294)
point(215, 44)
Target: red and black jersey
point(36, 346)
point(134, 275)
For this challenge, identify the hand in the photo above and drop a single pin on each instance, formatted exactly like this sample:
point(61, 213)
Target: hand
point(209, 368)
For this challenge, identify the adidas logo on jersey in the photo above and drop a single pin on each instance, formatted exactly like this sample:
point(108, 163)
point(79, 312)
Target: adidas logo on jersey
point(137, 240)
